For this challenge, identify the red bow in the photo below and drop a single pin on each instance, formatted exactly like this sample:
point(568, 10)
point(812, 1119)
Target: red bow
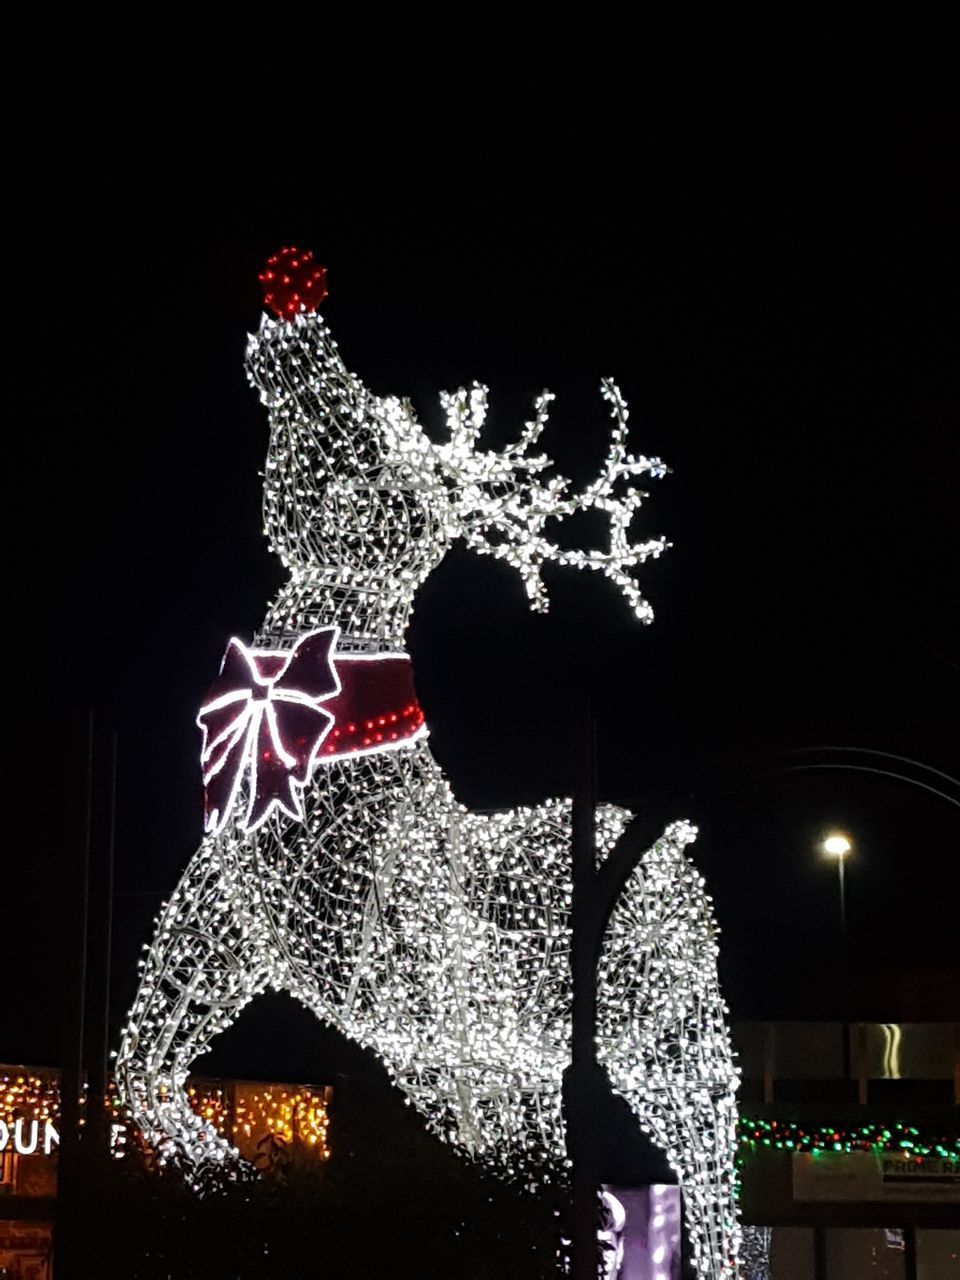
point(263, 722)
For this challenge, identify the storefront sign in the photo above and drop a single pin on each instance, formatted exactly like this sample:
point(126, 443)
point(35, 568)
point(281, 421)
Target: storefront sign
point(865, 1175)
point(28, 1137)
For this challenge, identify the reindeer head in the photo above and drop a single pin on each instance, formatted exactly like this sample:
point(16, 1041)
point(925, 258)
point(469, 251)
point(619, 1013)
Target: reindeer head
point(355, 488)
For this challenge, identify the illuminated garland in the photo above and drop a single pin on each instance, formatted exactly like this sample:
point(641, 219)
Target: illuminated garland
point(789, 1135)
point(438, 937)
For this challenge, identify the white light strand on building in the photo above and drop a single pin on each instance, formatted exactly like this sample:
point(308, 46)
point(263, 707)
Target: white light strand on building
point(436, 936)
point(755, 1253)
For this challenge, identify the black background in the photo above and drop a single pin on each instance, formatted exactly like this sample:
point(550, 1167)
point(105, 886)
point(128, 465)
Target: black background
point(784, 330)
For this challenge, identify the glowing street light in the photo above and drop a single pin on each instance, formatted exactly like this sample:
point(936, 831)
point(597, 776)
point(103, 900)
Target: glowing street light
point(838, 846)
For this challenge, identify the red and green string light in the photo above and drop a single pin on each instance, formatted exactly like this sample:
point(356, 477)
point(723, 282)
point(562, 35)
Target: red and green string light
point(789, 1135)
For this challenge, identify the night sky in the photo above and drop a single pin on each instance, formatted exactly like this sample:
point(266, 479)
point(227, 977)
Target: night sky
point(787, 346)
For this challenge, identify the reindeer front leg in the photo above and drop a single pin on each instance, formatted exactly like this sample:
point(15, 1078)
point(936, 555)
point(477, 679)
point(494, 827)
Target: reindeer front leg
point(207, 960)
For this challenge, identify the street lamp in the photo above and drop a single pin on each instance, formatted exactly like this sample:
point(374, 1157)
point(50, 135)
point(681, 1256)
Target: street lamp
point(838, 846)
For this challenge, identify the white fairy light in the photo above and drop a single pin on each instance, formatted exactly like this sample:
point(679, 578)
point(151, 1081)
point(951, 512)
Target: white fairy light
point(438, 937)
point(662, 1036)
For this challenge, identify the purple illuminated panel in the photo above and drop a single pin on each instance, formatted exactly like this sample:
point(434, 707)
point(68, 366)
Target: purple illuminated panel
point(640, 1235)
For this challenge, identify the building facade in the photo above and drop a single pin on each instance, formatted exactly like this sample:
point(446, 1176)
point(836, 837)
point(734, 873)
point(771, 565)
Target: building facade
point(850, 1159)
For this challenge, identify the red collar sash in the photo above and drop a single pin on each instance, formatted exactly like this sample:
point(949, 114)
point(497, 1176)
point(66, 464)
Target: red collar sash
point(272, 716)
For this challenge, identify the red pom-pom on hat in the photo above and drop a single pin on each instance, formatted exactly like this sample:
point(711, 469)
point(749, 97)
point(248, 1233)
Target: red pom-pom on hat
point(293, 282)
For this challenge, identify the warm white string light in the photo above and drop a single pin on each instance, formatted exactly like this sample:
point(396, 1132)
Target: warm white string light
point(436, 936)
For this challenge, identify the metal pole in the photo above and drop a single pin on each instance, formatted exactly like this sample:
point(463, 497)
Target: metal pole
point(819, 1253)
point(582, 1094)
point(845, 975)
point(910, 1253)
point(76, 879)
point(97, 1127)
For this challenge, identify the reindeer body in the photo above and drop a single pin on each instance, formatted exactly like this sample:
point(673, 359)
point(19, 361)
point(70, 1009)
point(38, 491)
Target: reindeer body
point(438, 937)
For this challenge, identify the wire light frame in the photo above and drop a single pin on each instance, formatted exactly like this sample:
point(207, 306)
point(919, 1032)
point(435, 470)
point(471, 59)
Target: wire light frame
point(438, 937)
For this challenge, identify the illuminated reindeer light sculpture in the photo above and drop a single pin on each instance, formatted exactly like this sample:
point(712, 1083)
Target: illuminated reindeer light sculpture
point(339, 867)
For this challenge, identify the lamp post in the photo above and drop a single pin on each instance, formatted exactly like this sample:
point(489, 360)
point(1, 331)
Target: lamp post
point(596, 890)
point(580, 1077)
point(837, 845)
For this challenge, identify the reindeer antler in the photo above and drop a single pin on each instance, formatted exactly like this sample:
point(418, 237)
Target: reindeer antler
point(502, 508)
